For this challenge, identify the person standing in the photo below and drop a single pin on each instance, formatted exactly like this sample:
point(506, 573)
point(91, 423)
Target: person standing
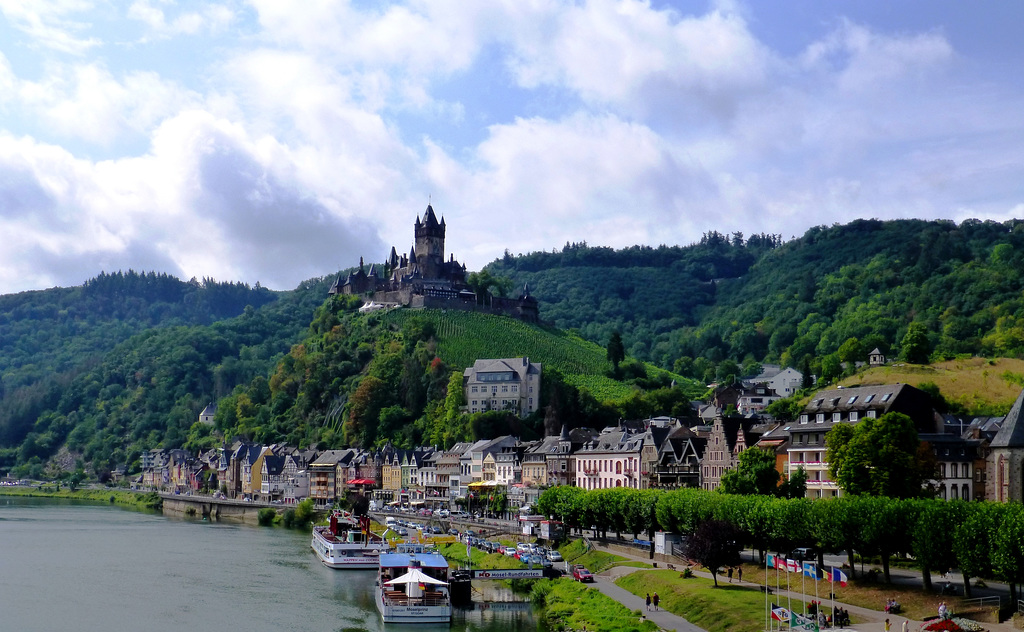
point(730, 574)
point(888, 626)
point(739, 573)
point(906, 625)
point(649, 604)
point(656, 602)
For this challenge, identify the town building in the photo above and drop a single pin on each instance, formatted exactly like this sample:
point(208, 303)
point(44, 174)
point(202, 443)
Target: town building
point(807, 447)
point(1006, 457)
point(511, 384)
point(729, 437)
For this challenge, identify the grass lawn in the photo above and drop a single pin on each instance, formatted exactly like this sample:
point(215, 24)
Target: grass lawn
point(141, 500)
point(570, 605)
point(916, 604)
point(728, 608)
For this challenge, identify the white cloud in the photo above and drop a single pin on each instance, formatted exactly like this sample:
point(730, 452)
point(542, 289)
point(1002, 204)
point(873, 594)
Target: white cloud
point(49, 25)
point(863, 60)
point(86, 101)
point(204, 202)
point(539, 183)
point(285, 140)
point(625, 54)
point(211, 18)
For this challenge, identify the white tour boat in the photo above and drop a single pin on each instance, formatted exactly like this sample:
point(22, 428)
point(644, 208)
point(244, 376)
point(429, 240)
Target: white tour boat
point(348, 543)
point(412, 587)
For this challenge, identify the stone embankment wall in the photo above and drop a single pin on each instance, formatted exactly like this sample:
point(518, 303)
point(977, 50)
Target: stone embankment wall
point(220, 510)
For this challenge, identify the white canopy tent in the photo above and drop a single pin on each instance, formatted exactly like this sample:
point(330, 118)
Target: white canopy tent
point(415, 576)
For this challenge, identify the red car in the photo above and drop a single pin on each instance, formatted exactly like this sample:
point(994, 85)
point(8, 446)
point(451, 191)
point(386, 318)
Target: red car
point(581, 574)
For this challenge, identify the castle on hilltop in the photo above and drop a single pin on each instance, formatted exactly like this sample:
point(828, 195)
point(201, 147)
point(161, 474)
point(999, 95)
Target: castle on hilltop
point(424, 279)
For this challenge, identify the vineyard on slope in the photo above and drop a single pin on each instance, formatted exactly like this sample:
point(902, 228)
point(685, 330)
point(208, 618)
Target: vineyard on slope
point(464, 337)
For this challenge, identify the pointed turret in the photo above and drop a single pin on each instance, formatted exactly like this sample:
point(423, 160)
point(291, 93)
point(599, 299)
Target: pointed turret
point(393, 258)
point(412, 256)
point(429, 219)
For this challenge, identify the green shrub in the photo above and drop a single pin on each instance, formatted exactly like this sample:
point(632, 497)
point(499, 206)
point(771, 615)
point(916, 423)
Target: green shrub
point(288, 520)
point(266, 517)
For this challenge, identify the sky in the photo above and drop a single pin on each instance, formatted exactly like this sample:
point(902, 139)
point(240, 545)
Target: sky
point(272, 142)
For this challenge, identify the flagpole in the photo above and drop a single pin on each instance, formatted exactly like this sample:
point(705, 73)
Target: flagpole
point(832, 589)
point(767, 607)
point(818, 606)
point(777, 585)
point(803, 585)
point(789, 593)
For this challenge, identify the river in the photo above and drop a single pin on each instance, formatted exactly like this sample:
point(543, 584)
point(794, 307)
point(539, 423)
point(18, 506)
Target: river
point(69, 565)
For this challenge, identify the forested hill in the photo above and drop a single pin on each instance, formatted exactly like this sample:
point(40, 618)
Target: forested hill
point(733, 299)
point(143, 349)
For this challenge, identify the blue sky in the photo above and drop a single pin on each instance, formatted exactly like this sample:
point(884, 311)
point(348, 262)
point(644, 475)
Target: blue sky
point(273, 142)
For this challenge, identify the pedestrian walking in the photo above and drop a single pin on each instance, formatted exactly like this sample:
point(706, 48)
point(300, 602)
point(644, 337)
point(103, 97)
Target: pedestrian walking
point(656, 603)
point(906, 625)
point(649, 604)
point(887, 625)
point(739, 573)
point(730, 574)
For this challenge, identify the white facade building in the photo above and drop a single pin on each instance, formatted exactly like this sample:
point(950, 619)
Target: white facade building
point(511, 384)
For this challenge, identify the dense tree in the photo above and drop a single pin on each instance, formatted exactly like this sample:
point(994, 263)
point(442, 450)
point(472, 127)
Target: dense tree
point(616, 350)
point(879, 457)
point(755, 474)
point(915, 347)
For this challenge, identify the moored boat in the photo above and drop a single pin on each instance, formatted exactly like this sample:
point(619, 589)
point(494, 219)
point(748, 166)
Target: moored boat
point(412, 587)
point(348, 543)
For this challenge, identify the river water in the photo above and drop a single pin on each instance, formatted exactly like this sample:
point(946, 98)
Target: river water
point(67, 565)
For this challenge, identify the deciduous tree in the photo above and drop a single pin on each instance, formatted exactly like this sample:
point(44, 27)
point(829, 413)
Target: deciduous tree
point(879, 457)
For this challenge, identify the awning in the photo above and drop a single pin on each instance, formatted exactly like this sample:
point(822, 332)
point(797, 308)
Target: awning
point(481, 485)
point(362, 481)
point(416, 576)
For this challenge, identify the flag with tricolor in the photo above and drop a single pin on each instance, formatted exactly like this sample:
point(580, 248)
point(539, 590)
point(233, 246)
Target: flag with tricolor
point(837, 576)
point(779, 613)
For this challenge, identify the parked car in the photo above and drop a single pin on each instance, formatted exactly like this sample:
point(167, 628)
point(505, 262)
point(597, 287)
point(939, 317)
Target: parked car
point(510, 551)
point(539, 560)
point(581, 574)
point(554, 556)
point(802, 553)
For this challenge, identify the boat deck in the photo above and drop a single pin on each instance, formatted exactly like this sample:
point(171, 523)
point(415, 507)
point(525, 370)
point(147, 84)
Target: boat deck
point(399, 598)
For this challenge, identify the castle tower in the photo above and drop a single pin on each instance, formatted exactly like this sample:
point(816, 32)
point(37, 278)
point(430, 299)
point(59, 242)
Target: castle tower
point(429, 246)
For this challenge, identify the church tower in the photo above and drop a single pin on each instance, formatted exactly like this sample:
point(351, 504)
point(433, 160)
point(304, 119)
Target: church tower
point(429, 246)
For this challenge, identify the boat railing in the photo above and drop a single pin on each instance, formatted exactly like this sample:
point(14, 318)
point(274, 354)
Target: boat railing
point(399, 598)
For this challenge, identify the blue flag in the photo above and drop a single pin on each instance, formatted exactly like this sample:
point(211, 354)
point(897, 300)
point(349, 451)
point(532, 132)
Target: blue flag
point(772, 563)
point(810, 570)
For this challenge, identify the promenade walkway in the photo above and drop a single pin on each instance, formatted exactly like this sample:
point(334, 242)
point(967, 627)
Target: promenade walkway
point(869, 620)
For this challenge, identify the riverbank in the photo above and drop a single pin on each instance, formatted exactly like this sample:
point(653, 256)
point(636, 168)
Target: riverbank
point(122, 497)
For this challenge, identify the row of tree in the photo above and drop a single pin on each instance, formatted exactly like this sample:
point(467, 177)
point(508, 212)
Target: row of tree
point(981, 539)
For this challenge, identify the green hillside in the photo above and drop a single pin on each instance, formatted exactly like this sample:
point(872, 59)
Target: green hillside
point(464, 337)
point(741, 300)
